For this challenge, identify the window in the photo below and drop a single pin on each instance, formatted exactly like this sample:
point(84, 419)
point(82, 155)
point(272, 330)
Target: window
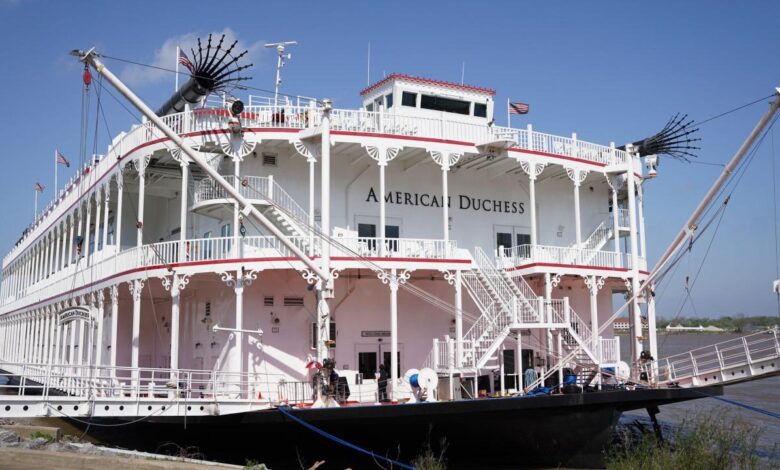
point(503, 240)
point(523, 239)
point(389, 100)
point(366, 230)
point(480, 110)
point(369, 231)
point(206, 246)
point(370, 107)
point(332, 335)
point(409, 99)
point(226, 230)
point(447, 105)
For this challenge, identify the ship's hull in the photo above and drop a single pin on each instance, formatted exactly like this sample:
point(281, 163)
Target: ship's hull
point(561, 430)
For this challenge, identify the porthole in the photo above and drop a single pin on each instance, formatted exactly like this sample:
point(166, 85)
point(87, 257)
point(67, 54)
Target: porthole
point(189, 408)
point(59, 407)
point(106, 407)
point(76, 408)
point(201, 408)
point(24, 407)
point(149, 408)
point(121, 407)
point(163, 408)
point(7, 408)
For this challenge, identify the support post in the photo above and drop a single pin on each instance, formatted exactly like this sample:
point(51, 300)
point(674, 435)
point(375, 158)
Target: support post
point(185, 170)
point(394, 333)
point(114, 327)
point(141, 167)
point(636, 317)
point(458, 319)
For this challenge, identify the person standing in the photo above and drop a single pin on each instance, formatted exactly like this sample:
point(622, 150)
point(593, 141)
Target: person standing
point(382, 383)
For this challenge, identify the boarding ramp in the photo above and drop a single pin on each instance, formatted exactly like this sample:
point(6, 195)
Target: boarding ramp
point(750, 357)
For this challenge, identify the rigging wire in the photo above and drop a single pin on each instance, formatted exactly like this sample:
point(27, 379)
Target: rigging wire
point(699, 123)
point(774, 219)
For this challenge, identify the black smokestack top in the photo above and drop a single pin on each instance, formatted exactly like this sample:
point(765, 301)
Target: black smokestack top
point(214, 69)
point(674, 140)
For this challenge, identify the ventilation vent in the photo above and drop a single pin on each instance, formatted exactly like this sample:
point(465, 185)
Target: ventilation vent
point(269, 160)
point(268, 300)
point(208, 309)
point(293, 301)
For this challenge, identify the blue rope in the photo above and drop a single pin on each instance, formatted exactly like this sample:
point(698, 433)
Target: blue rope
point(341, 441)
point(743, 405)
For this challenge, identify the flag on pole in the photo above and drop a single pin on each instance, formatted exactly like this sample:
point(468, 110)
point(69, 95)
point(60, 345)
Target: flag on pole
point(39, 187)
point(518, 108)
point(185, 61)
point(61, 159)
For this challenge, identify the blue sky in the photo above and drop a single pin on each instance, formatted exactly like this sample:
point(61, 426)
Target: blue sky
point(610, 71)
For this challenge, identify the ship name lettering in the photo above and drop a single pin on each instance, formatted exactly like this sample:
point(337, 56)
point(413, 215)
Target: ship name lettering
point(435, 200)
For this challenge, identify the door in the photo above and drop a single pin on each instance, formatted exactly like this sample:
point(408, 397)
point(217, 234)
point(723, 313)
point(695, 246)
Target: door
point(368, 356)
point(508, 236)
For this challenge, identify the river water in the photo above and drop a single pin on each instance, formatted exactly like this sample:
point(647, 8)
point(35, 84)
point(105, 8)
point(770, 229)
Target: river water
point(764, 393)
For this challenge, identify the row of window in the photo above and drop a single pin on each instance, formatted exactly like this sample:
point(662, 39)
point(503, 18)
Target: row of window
point(435, 103)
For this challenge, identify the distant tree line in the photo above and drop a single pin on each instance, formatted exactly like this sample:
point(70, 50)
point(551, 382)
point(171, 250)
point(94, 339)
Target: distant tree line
point(739, 323)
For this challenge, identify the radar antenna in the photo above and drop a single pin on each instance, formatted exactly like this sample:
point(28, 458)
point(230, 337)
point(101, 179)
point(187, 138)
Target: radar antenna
point(280, 47)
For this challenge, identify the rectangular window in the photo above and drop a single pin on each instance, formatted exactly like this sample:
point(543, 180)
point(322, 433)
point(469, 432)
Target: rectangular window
point(523, 239)
point(447, 105)
point(370, 107)
point(503, 240)
point(226, 230)
point(332, 342)
point(480, 110)
point(392, 233)
point(389, 100)
point(366, 230)
point(409, 99)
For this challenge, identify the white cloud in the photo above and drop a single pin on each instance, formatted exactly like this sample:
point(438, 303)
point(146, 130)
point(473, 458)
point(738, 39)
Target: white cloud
point(165, 56)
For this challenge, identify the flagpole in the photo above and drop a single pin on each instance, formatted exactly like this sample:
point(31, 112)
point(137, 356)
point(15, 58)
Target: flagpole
point(36, 204)
point(508, 115)
point(55, 173)
point(176, 86)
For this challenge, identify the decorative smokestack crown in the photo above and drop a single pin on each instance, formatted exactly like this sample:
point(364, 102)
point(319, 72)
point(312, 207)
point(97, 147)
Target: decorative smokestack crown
point(214, 69)
point(674, 140)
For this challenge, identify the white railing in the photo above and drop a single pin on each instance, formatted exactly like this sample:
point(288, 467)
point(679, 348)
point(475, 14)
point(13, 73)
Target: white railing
point(524, 254)
point(609, 350)
point(597, 237)
point(732, 353)
point(624, 220)
point(369, 247)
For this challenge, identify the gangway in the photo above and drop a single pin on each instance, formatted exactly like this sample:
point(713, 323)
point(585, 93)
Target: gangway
point(751, 357)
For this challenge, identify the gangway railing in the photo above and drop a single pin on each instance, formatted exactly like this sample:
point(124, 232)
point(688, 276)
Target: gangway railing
point(735, 360)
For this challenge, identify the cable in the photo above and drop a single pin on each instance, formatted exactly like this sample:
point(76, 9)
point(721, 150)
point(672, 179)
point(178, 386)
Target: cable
point(338, 440)
point(774, 220)
point(733, 110)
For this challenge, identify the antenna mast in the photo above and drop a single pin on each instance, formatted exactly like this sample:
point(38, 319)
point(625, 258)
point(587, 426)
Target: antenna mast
point(280, 47)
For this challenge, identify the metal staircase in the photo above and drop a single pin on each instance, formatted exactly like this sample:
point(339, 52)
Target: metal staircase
point(266, 194)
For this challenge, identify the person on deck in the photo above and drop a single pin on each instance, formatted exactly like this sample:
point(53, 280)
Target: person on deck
point(382, 383)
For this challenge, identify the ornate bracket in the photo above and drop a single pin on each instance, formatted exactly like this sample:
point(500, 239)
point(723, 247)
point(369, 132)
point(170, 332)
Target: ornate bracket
point(629, 287)
point(396, 280)
point(615, 182)
point(113, 291)
point(245, 280)
point(555, 279)
point(237, 147)
point(135, 288)
point(576, 175)
point(532, 169)
point(176, 283)
point(310, 151)
point(382, 155)
point(445, 159)
point(141, 163)
point(594, 283)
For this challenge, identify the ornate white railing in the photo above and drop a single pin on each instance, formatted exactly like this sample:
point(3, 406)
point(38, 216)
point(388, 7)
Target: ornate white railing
point(396, 248)
point(525, 254)
point(609, 350)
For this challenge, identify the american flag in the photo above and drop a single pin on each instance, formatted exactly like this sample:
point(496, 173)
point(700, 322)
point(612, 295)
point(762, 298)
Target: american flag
point(518, 108)
point(185, 61)
point(39, 187)
point(61, 159)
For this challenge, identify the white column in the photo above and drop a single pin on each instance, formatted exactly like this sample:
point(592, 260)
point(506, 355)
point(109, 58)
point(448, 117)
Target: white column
point(80, 343)
point(593, 286)
point(393, 332)
point(98, 208)
point(636, 317)
point(641, 216)
point(101, 305)
point(238, 366)
point(118, 215)
point(46, 255)
point(57, 235)
point(136, 287)
point(87, 233)
point(236, 209)
point(458, 319)
point(141, 166)
point(382, 204)
point(519, 363)
point(311, 161)
point(616, 223)
point(532, 202)
point(106, 204)
point(446, 196)
point(185, 170)
point(577, 221)
point(52, 353)
point(652, 335)
point(114, 292)
point(70, 237)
